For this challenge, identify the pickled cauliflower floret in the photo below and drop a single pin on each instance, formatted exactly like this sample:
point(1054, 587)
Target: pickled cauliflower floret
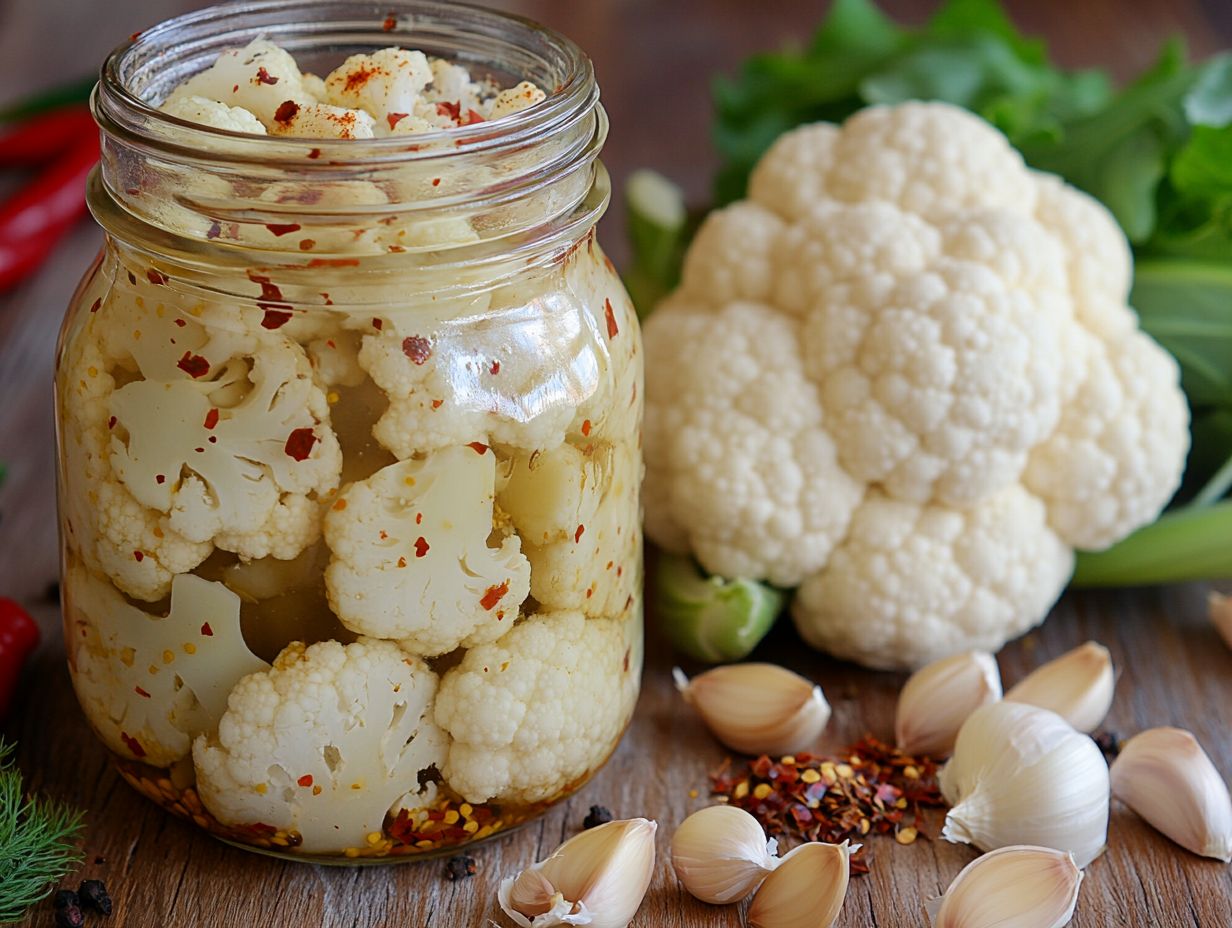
point(393, 91)
point(324, 743)
point(149, 684)
point(411, 558)
point(905, 326)
point(537, 710)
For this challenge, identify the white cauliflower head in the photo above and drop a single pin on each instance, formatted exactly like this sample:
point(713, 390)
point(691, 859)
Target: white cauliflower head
point(411, 558)
point(150, 683)
point(904, 314)
point(539, 709)
point(324, 743)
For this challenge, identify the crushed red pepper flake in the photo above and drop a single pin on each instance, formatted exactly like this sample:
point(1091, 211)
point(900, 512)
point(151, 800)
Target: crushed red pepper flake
point(279, 229)
point(160, 479)
point(473, 117)
point(495, 368)
point(395, 118)
point(478, 447)
point(493, 595)
point(315, 153)
point(452, 110)
point(333, 262)
point(586, 427)
point(577, 536)
point(133, 745)
point(111, 422)
point(287, 111)
point(610, 316)
point(299, 444)
point(417, 348)
point(193, 365)
point(390, 23)
point(264, 77)
point(96, 304)
point(307, 244)
point(275, 318)
point(207, 631)
point(421, 546)
point(180, 323)
point(305, 781)
point(157, 278)
point(436, 404)
point(869, 788)
point(140, 692)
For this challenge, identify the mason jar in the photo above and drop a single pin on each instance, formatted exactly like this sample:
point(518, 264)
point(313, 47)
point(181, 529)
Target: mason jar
point(349, 450)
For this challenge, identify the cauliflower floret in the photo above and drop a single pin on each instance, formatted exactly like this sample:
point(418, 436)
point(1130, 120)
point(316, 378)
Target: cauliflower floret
point(388, 85)
point(149, 683)
point(411, 558)
point(911, 583)
point(537, 710)
point(258, 77)
point(324, 743)
point(215, 114)
point(905, 290)
point(320, 121)
point(514, 100)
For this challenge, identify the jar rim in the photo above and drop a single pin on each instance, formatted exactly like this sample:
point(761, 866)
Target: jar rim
point(121, 110)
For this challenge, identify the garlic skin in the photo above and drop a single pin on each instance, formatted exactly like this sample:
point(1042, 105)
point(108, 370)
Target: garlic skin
point(937, 699)
point(1077, 686)
point(597, 878)
point(757, 708)
point(1012, 887)
point(1023, 775)
point(721, 854)
point(1164, 775)
point(806, 890)
point(1219, 608)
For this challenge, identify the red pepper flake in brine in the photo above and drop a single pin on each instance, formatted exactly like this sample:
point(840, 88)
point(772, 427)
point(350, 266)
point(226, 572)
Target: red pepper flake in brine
point(421, 546)
point(96, 304)
point(305, 781)
point(493, 595)
point(138, 556)
point(263, 77)
point(299, 444)
point(610, 316)
point(287, 111)
point(472, 118)
point(132, 278)
point(160, 479)
point(157, 278)
point(193, 365)
point(278, 230)
point(436, 404)
point(133, 745)
point(314, 154)
point(577, 536)
point(495, 368)
point(207, 631)
point(436, 182)
point(419, 518)
point(478, 447)
point(394, 118)
point(180, 323)
point(275, 318)
point(111, 422)
point(417, 348)
point(140, 692)
point(586, 427)
point(452, 110)
point(390, 23)
point(377, 323)
point(211, 418)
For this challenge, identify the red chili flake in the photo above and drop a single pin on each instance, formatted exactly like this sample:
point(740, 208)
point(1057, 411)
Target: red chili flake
point(314, 154)
point(111, 422)
point(157, 278)
point(493, 595)
point(287, 111)
point(207, 631)
point(452, 110)
point(419, 518)
point(390, 23)
point(394, 118)
point(96, 304)
point(421, 546)
point(133, 745)
point(331, 343)
point(211, 418)
point(612, 330)
point(472, 117)
point(281, 229)
point(626, 661)
point(160, 479)
point(305, 781)
point(495, 368)
point(263, 77)
point(577, 536)
point(299, 444)
point(213, 439)
point(436, 182)
point(199, 450)
point(275, 318)
point(334, 262)
point(417, 348)
point(193, 365)
point(436, 404)
point(378, 324)
point(180, 323)
point(139, 556)
point(478, 447)
point(235, 88)
point(140, 692)
point(402, 562)
point(328, 301)
point(586, 427)
point(215, 230)
point(269, 290)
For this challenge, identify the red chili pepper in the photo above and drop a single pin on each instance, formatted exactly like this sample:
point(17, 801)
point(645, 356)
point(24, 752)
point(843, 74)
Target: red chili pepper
point(43, 137)
point(18, 637)
point(37, 217)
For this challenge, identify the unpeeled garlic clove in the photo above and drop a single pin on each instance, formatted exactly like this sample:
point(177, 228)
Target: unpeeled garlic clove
point(720, 854)
point(1012, 887)
point(1023, 775)
point(806, 889)
point(1164, 775)
point(1077, 686)
point(597, 878)
point(1219, 608)
point(937, 699)
point(757, 708)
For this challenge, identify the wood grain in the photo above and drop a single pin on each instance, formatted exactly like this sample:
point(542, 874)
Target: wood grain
point(654, 60)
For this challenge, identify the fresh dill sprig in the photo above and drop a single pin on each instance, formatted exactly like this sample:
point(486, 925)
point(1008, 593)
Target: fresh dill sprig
point(37, 842)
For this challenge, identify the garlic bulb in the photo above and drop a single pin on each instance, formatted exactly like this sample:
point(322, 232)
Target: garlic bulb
point(1022, 775)
point(757, 708)
point(1012, 887)
point(1219, 608)
point(720, 854)
point(597, 878)
point(937, 699)
point(806, 890)
point(1164, 775)
point(1077, 686)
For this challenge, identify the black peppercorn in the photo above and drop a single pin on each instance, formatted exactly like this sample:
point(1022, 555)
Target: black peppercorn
point(63, 898)
point(94, 896)
point(69, 916)
point(598, 815)
point(460, 867)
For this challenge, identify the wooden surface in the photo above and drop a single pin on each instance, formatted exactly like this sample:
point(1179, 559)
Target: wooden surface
point(653, 61)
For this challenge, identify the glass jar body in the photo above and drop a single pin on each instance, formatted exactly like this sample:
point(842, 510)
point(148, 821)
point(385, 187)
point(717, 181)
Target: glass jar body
point(352, 583)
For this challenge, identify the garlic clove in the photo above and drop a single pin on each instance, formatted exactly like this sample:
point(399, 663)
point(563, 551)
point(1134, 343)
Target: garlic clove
point(1219, 608)
point(1164, 775)
point(937, 699)
point(806, 889)
point(1023, 775)
point(720, 854)
point(1077, 686)
point(1012, 887)
point(757, 708)
point(597, 878)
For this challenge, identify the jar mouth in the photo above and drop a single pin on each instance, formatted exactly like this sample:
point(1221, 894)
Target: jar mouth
point(141, 72)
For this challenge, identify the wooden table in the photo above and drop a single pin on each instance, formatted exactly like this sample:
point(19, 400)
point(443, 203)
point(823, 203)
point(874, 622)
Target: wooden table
point(653, 60)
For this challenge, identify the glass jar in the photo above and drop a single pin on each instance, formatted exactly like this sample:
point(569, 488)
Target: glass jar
point(349, 450)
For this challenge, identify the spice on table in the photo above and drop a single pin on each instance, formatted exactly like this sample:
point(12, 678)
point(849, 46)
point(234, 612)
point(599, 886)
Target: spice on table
point(94, 896)
point(869, 788)
point(19, 636)
point(460, 868)
point(598, 815)
point(70, 916)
